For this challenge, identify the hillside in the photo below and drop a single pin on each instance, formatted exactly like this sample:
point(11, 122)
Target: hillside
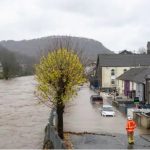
point(34, 47)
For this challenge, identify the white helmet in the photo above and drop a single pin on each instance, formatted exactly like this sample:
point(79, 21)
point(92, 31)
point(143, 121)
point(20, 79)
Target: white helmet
point(129, 118)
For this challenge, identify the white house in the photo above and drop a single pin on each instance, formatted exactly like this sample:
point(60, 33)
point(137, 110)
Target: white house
point(111, 66)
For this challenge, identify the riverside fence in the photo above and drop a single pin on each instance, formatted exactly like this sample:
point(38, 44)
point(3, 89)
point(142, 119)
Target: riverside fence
point(52, 140)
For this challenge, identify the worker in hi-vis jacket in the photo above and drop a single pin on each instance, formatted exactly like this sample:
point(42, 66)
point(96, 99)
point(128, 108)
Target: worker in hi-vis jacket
point(130, 126)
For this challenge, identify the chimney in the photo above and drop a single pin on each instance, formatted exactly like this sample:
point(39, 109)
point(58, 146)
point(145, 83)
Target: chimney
point(148, 47)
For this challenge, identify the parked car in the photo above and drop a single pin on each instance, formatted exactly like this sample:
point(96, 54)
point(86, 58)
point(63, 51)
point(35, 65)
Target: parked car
point(96, 99)
point(107, 110)
point(118, 98)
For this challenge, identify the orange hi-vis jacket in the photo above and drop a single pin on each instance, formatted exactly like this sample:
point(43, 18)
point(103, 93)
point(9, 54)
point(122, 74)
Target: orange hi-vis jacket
point(130, 126)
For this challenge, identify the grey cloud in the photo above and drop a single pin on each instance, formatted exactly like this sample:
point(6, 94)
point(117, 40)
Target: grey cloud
point(128, 21)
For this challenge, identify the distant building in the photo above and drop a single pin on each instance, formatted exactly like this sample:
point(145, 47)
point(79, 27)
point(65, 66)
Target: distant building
point(90, 71)
point(125, 52)
point(148, 47)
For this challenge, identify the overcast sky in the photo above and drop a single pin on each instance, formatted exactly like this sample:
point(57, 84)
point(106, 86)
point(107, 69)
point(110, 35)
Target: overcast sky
point(118, 24)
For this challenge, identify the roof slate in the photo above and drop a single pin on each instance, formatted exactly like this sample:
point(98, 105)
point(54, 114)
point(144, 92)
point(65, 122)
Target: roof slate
point(135, 74)
point(120, 60)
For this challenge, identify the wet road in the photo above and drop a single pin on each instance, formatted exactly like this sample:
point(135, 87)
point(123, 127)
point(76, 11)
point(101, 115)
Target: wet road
point(86, 117)
point(22, 119)
point(89, 141)
point(82, 116)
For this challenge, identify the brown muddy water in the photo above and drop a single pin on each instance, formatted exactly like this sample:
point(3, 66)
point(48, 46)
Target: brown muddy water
point(22, 118)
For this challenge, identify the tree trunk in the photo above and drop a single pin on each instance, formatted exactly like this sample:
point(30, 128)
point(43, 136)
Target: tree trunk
point(60, 107)
point(60, 110)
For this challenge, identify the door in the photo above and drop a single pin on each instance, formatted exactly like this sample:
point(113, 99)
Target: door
point(126, 87)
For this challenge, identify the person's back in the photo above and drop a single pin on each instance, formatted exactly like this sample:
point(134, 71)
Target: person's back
point(130, 126)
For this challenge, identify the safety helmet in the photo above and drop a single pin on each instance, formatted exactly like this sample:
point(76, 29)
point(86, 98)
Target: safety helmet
point(129, 118)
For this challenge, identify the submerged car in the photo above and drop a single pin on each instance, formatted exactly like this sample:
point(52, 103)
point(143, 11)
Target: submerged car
point(107, 111)
point(96, 99)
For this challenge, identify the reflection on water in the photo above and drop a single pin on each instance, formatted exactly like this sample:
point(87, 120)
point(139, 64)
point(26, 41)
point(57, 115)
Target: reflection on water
point(22, 119)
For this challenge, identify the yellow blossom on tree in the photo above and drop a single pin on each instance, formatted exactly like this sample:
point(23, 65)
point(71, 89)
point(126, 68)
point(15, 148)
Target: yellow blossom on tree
point(58, 75)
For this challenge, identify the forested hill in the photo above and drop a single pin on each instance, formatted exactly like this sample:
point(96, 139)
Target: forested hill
point(15, 64)
point(34, 47)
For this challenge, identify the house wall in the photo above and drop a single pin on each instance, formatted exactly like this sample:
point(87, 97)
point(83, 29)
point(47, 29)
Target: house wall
point(138, 87)
point(123, 89)
point(100, 77)
point(107, 77)
point(120, 85)
point(132, 85)
point(140, 91)
point(147, 90)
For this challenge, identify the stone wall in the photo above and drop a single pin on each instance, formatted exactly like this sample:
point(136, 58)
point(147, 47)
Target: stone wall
point(142, 120)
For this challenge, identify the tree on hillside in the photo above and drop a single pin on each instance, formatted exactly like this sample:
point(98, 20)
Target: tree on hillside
point(68, 43)
point(58, 74)
point(9, 63)
point(27, 64)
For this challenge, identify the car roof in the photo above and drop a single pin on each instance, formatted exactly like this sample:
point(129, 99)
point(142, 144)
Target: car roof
point(119, 97)
point(107, 106)
point(96, 96)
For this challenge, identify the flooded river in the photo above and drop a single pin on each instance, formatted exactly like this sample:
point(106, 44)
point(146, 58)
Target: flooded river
point(22, 119)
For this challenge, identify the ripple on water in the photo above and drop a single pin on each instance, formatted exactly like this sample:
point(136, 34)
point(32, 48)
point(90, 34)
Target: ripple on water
point(22, 121)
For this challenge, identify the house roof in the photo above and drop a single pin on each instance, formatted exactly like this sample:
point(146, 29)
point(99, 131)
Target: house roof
point(135, 74)
point(125, 52)
point(120, 60)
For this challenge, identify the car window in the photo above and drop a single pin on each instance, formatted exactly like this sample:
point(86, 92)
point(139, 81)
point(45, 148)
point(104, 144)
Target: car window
point(107, 109)
point(97, 98)
point(119, 97)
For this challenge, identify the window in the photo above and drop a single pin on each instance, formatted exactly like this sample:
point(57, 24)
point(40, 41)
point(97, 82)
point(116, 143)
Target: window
point(112, 81)
point(124, 70)
point(112, 72)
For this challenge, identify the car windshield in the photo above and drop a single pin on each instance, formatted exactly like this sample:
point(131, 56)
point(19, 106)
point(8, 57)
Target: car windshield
point(107, 109)
point(97, 97)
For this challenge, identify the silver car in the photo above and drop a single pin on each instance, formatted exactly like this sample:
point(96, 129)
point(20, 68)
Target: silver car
point(107, 110)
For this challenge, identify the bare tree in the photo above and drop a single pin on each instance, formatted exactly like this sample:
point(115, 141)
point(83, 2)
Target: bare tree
point(142, 50)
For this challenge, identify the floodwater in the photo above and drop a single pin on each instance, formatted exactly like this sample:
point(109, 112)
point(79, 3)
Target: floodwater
point(82, 116)
point(22, 119)
point(86, 116)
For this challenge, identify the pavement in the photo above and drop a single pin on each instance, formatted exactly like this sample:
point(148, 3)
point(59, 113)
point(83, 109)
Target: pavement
point(105, 141)
point(146, 137)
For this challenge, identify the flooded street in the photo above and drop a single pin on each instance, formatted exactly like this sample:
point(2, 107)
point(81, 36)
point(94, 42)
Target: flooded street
point(82, 116)
point(86, 116)
point(22, 119)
